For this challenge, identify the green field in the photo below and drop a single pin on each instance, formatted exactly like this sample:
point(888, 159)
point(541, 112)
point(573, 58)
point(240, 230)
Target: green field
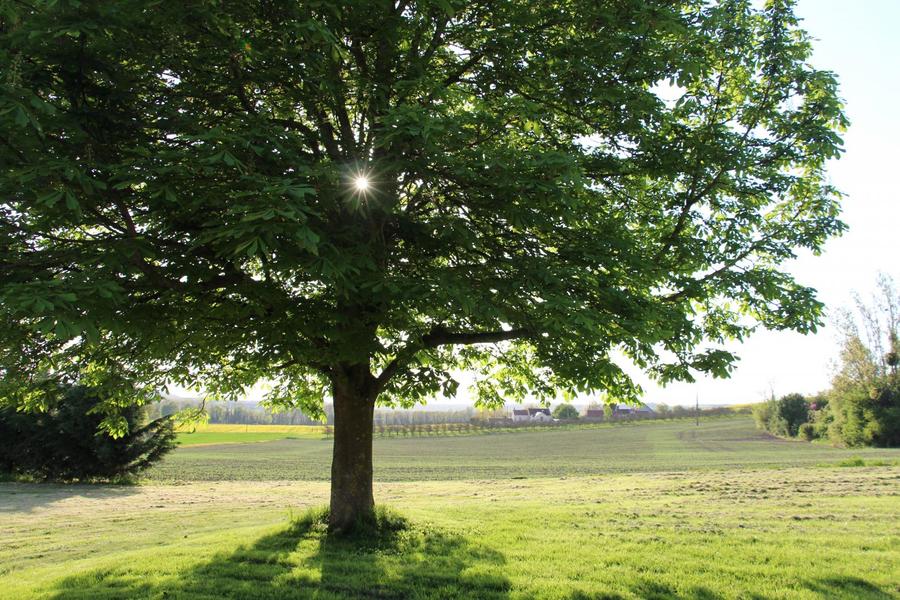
point(723, 443)
point(651, 510)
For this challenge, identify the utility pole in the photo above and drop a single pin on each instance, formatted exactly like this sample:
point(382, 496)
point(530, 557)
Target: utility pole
point(697, 408)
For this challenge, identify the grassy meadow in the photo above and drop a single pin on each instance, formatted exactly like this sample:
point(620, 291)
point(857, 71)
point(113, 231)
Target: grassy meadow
point(648, 510)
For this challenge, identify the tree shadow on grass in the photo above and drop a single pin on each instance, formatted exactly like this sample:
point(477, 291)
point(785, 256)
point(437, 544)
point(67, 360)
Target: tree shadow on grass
point(650, 590)
point(302, 561)
point(20, 497)
point(848, 588)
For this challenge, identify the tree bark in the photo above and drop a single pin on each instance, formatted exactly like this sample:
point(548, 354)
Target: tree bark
point(352, 501)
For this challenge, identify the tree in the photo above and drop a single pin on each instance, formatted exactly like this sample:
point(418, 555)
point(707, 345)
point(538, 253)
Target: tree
point(783, 416)
point(792, 411)
point(565, 412)
point(864, 400)
point(764, 412)
point(62, 442)
point(356, 199)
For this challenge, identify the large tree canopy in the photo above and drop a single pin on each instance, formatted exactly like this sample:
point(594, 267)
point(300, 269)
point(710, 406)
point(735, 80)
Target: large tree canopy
point(550, 185)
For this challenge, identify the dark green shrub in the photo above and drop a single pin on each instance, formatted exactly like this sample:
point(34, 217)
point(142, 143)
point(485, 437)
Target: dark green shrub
point(808, 432)
point(783, 416)
point(793, 410)
point(65, 442)
point(866, 417)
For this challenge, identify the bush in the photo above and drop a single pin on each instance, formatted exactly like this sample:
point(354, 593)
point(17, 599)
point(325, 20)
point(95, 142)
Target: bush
point(762, 413)
point(565, 412)
point(808, 432)
point(65, 443)
point(783, 416)
point(793, 410)
point(866, 417)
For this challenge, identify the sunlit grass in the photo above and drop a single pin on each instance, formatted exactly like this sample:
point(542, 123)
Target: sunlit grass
point(656, 510)
point(804, 533)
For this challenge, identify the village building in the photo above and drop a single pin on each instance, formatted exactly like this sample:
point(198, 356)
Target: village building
point(625, 410)
point(595, 414)
point(534, 415)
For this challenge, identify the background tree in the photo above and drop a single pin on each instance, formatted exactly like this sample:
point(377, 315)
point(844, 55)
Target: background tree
point(355, 199)
point(63, 443)
point(864, 401)
point(783, 416)
point(565, 412)
point(764, 413)
point(792, 411)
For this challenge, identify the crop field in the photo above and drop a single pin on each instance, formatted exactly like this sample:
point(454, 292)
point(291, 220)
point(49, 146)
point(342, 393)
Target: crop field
point(722, 443)
point(651, 510)
point(216, 433)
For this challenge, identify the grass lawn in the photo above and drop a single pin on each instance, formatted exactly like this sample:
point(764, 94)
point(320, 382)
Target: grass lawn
point(715, 512)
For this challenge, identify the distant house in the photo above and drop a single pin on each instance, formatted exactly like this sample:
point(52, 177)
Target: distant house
point(626, 410)
point(595, 414)
point(521, 414)
point(540, 415)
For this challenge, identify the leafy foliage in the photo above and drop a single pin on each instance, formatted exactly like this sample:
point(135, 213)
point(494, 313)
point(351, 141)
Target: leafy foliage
point(566, 412)
point(793, 411)
point(549, 184)
point(783, 416)
point(63, 443)
point(864, 401)
point(867, 419)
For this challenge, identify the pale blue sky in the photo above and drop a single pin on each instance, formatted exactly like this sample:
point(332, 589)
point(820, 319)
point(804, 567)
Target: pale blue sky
point(858, 40)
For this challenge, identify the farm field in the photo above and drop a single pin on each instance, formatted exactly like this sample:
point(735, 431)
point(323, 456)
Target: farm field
point(218, 433)
point(719, 443)
point(651, 510)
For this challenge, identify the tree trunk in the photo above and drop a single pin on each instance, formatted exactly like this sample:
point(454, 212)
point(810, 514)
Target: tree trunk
point(352, 501)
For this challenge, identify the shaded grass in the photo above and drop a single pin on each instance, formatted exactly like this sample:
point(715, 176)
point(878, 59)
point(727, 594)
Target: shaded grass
point(303, 561)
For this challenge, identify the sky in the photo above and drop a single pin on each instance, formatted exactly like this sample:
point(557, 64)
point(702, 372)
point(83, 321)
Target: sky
point(858, 41)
